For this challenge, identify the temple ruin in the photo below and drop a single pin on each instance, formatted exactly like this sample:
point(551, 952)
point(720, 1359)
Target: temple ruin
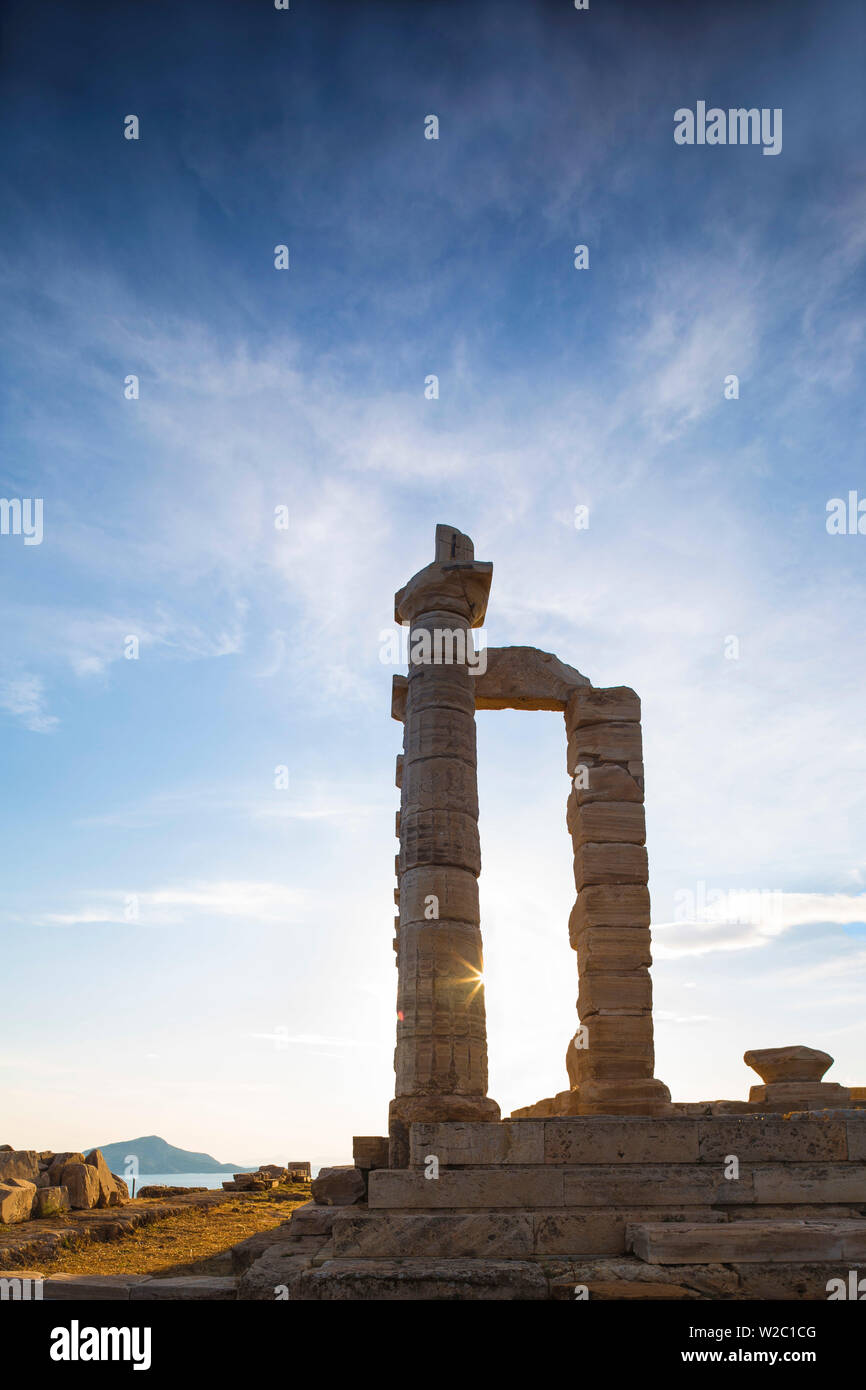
point(608, 1182)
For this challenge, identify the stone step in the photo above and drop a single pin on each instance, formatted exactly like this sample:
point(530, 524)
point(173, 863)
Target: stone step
point(491, 1234)
point(134, 1287)
point(593, 1139)
point(418, 1279)
point(614, 1185)
point(748, 1242)
point(619, 1291)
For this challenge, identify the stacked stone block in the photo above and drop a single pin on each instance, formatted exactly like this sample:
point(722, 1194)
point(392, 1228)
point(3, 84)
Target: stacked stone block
point(441, 1055)
point(611, 1061)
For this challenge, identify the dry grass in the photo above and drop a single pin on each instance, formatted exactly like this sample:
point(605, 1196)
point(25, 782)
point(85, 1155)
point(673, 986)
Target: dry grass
point(193, 1243)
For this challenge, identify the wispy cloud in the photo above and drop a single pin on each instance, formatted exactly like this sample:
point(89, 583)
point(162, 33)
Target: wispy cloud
point(742, 921)
point(24, 699)
point(186, 904)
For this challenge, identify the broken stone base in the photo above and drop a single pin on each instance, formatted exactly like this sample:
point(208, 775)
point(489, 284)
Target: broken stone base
point(405, 1111)
point(650, 1097)
point(799, 1095)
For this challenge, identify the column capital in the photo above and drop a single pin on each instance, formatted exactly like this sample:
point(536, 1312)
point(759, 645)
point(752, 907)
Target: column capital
point(459, 588)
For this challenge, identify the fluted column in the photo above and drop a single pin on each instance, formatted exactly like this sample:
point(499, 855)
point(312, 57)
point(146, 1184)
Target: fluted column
point(441, 1055)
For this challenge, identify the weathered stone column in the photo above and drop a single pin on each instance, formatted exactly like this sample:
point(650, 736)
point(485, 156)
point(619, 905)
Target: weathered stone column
point(613, 1054)
point(441, 1054)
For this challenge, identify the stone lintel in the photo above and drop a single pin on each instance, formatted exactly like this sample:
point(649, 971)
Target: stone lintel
point(524, 678)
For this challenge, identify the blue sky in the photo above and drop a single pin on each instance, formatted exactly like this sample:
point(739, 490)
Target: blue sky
point(189, 950)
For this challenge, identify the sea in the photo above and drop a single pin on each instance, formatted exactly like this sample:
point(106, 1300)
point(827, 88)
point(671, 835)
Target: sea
point(209, 1180)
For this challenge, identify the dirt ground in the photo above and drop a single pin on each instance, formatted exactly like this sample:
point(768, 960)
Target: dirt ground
point(196, 1242)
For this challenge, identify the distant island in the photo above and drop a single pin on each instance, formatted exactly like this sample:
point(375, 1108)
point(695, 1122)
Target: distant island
point(154, 1155)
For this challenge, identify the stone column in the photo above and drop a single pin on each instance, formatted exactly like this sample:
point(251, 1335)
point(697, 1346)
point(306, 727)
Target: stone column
point(612, 1058)
point(441, 1054)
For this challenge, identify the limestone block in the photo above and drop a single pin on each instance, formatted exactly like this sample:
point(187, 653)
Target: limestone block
point(596, 1139)
point(191, 1288)
point(748, 1242)
point(441, 1034)
point(83, 1183)
point(440, 733)
point(778, 1282)
point(452, 545)
point(446, 784)
point(506, 1186)
point(19, 1163)
point(674, 1184)
point(423, 1280)
point(399, 691)
point(604, 821)
point(623, 1095)
point(566, 1103)
point(788, 1063)
point(525, 678)
point(17, 1200)
point(91, 1288)
point(638, 1291)
point(385, 1234)
point(370, 1151)
point(456, 1144)
point(610, 743)
point(589, 704)
point(614, 994)
point(438, 892)
point(612, 949)
point(540, 1109)
point(615, 1036)
point(856, 1128)
point(600, 782)
point(615, 1064)
point(51, 1201)
point(800, 1095)
point(440, 837)
point(277, 1270)
point(445, 687)
point(407, 1109)
point(768, 1138)
point(611, 864)
point(572, 1066)
point(398, 771)
point(609, 905)
point(338, 1187)
point(582, 1232)
point(312, 1220)
point(810, 1182)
